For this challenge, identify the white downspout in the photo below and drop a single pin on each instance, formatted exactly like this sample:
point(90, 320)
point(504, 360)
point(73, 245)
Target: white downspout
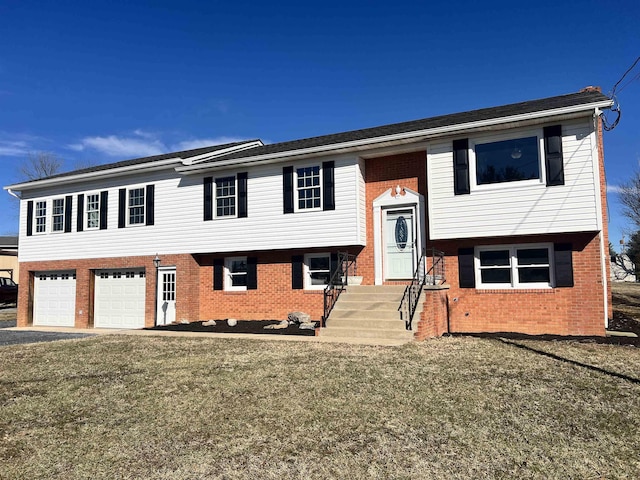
point(603, 253)
point(13, 194)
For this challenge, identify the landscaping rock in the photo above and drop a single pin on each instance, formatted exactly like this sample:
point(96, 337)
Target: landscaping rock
point(232, 322)
point(277, 326)
point(307, 326)
point(299, 317)
point(209, 323)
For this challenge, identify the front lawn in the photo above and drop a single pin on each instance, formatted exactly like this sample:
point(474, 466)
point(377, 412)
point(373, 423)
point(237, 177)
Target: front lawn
point(177, 408)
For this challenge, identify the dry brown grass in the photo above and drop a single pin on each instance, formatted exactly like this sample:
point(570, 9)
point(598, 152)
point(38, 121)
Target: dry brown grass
point(176, 408)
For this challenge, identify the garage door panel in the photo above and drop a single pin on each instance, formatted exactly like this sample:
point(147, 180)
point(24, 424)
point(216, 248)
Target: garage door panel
point(54, 301)
point(120, 299)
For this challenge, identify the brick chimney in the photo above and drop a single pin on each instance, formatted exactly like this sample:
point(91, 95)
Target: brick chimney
point(591, 88)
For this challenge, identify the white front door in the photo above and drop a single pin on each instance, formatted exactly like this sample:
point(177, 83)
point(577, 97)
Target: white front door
point(166, 295)
point(399, 243)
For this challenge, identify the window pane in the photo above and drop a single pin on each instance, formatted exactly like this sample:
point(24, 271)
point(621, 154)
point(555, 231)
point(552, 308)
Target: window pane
point(533, 275)
point(239, 280)
point(319, 263)
point(496, 275)
point(319, 278)
point(507, 161)
point(238, 266)
point(533, 256)
point(489, 258)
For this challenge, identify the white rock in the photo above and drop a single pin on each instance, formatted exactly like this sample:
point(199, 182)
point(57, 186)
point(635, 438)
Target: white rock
point(209, 323)
point(232, 322)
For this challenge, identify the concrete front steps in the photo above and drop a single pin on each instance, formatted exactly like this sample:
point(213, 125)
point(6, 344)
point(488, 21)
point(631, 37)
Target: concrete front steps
point(368, 314)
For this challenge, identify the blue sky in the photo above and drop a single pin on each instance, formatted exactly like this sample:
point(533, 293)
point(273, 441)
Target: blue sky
point(96, 82)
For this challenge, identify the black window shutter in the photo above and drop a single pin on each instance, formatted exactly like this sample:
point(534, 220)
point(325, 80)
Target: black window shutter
point(80, 216)
point(252, 273)
point(29, 218)
point(104, 204)
point(122, 208)
point(328, 186)
point(287, 189)
point(553, 155)
point(208, 198)
point(68, 203)
point(218, 271)
point(150, 200)
point(466, 274)
point(461, 166)
point(563, 262)
point(296, 272)
point(242, 195)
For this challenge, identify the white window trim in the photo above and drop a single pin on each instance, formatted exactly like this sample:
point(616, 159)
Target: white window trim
point(215, 196)
point(227, 274)
point(307, 271)
point(64, 208)
point(34, 226)
point(86, 211)
point(473, 141)
point(515, 284)
point(296, 196)
point(144, 206)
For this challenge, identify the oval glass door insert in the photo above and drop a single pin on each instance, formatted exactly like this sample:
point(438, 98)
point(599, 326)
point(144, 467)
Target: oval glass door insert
point(402, 233)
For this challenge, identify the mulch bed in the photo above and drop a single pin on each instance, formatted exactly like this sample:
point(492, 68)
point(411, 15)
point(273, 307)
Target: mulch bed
point(243, 326)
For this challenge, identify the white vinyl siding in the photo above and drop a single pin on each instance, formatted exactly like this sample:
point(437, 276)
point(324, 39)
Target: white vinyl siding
point(517, 208)
point(179, 227)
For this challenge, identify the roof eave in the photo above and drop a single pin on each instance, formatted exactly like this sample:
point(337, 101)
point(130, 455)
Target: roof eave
point(398, 138)
point(101, 174)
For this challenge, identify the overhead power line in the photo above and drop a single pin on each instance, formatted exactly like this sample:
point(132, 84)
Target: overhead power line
point(615, 108)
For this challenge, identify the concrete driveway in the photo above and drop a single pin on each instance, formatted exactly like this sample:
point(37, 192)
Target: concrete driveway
point(8, 336)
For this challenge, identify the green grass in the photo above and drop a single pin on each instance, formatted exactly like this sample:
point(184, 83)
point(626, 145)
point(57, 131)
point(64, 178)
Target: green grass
point(177, 408)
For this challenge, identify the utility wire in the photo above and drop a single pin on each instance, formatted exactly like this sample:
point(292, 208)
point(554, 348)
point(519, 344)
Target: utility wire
point(615, 108)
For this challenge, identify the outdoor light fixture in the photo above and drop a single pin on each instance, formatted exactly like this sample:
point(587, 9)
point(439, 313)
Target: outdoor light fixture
point(156, 261)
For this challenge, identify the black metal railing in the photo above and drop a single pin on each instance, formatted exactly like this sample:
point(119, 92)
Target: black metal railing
point(346, 266)
point(421, 277)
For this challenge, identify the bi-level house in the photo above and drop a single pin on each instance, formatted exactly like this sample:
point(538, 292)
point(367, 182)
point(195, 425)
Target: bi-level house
point(512, 199)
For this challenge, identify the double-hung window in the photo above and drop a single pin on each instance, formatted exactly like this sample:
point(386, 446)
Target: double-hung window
point(57, 215)
point(514, 266)
point(236, 273)
point(226, 197)
point(308, 188)
point(93, 211)
point(41, 216)
point(136, 206)
point(317, 270)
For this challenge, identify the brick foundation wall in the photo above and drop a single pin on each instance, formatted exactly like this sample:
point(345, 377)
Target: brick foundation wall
point(187, 279)
point(577, 310)
point(272, 300)
point(433, 319)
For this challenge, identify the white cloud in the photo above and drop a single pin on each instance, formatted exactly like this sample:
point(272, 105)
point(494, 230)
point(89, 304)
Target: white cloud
point(13, 148)
point(205, 142)
point(613, 188)
point(115, 146)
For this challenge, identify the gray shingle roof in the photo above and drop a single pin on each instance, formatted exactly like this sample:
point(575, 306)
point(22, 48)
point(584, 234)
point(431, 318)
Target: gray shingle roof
point(551, 103)
point(573, 99)
point(8, 242)
point(155, 158)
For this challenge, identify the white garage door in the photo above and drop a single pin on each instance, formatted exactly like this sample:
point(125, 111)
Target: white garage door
point(54, 299)
point(119, 299)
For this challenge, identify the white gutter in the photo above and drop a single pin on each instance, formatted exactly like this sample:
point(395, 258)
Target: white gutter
point(106, 173)
point(220, 153)
point(12, 193)
point(432, 132)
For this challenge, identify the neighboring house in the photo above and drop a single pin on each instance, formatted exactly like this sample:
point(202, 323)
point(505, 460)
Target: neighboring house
point(622, 269)
point(9, 258)
point(513, 195)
